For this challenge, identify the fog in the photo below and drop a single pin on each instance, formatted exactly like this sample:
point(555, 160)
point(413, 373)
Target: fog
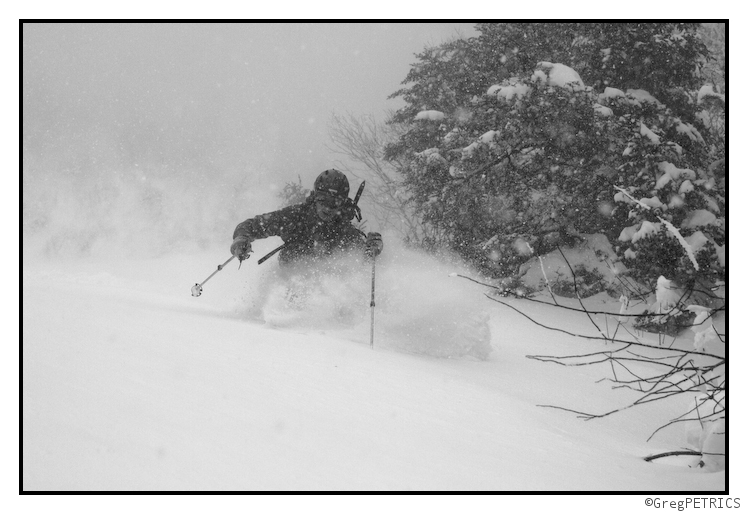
point(148, 138)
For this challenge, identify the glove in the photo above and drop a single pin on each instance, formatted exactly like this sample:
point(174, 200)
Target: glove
point(374, 244)
point(241, 247)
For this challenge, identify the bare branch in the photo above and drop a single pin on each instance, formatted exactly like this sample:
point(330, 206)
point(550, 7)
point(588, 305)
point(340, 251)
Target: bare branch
point(607, 339)
point(650, 458)
point(678, 371)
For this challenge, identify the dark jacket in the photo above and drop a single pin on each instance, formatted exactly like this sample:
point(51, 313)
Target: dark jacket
point(303, 232)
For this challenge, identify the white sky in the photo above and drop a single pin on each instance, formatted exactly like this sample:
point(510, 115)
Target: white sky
point(252, 96)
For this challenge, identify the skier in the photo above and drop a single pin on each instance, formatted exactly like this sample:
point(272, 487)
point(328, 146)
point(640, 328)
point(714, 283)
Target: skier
point(316, 228)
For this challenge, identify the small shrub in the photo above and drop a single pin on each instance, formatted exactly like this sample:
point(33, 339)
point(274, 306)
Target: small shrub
point(293, 193)
point(588, 282)
point(671, 324)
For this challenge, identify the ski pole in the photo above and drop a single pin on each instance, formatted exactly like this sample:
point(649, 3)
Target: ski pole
point(197, 289)
point(281, 247)
point(373, 268)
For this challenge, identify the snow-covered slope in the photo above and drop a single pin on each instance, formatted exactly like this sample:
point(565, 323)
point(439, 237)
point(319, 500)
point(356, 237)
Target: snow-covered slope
point(130, 383)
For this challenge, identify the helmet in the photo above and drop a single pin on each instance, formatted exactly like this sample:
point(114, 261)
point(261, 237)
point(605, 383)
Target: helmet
point(332, 182)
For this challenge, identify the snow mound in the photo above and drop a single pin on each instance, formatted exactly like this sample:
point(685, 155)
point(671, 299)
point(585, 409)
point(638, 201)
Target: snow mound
point(443, 332)
point(595, 254)
point(509, 91)
point(430, 115)
point(421, 309)
point(707, 91)
point(556, 74)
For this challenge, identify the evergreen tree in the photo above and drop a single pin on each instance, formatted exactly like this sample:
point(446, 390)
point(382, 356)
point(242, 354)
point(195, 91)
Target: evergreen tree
point(508, 151)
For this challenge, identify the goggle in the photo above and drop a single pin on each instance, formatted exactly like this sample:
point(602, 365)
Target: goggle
point(328, 200)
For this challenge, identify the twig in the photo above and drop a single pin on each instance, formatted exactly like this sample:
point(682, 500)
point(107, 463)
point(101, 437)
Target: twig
point(683, 373)
point(607, 339)
point(576, 291)
point(650, 458)
point(527, 298)
point(547, 282)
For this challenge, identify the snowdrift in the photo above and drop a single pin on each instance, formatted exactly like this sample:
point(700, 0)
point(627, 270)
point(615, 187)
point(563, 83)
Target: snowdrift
point(130, 383)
